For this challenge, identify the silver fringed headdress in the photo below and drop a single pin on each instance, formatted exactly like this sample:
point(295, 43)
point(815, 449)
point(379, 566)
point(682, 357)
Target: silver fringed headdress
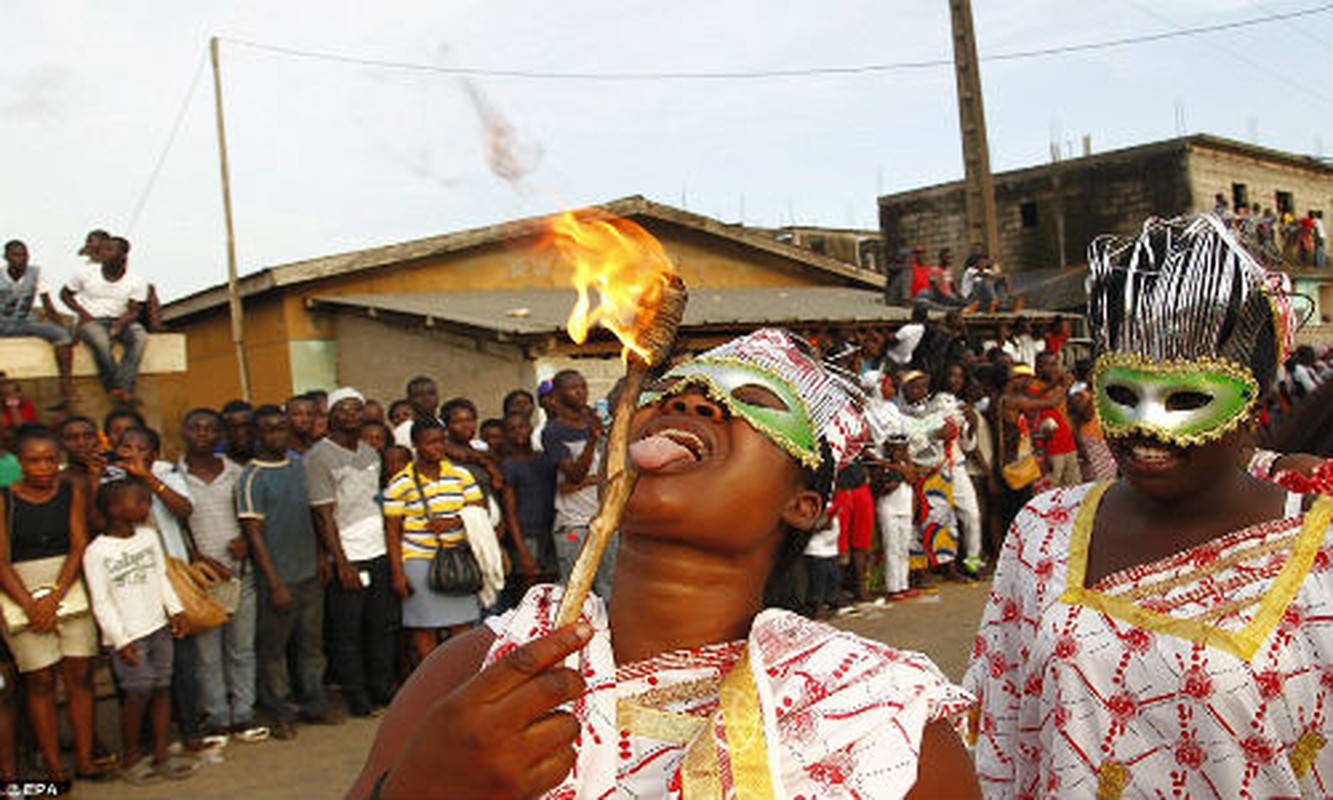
point(1189, 330)
point(1186, 289)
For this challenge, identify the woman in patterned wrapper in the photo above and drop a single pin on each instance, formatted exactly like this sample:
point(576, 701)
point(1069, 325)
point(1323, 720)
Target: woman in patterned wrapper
point(684, 686)
point(1169, 634)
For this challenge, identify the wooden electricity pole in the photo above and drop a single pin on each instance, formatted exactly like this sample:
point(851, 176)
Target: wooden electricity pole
point(978, 187)
point(233, 291)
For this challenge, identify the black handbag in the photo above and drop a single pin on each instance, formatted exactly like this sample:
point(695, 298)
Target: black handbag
point(454, 570)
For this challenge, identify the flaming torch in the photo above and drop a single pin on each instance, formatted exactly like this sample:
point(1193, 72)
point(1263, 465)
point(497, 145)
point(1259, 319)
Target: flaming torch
point(640, 299)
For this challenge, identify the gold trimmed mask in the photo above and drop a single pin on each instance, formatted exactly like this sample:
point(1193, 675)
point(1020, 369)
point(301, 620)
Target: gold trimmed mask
point(790, 427)
point(1185, 402)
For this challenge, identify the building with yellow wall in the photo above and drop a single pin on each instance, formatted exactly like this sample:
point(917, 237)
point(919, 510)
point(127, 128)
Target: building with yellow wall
point(358, 318)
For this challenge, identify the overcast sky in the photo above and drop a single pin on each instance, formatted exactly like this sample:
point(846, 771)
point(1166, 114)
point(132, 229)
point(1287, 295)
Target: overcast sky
point(329, 156)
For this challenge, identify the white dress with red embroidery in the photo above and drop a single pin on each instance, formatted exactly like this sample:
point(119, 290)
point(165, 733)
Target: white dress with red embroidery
point(842, 716)
point(1207, 674)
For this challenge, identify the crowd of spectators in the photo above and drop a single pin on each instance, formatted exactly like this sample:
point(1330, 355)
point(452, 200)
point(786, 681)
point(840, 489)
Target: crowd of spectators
point(321, 526)
point(954, 412)
point(1278, 237)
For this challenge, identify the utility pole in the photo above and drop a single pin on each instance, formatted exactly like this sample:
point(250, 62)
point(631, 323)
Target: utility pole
point(978, 187)
point(1057, 188)
point(233, 291)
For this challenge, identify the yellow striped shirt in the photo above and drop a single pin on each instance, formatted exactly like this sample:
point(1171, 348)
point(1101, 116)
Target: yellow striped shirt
point(445, 495)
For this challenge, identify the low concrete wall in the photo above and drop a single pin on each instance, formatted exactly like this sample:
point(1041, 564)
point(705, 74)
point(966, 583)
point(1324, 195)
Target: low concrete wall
point(30, 357)
point(161, 391)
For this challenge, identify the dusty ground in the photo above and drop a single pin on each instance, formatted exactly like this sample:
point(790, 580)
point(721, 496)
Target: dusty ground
point(322, 761)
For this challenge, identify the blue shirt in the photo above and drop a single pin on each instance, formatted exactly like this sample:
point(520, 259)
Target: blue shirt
point(533, 480)
point(274, 492)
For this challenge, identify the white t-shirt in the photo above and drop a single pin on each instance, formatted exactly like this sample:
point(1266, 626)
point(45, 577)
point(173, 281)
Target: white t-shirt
point(349, 480)
point(897, 503)
point(128, 586)
point(1305, 377)
point(102, 298)
point(908, 337)
point(824, 543)
point(1028, 348)
point(1009, 347)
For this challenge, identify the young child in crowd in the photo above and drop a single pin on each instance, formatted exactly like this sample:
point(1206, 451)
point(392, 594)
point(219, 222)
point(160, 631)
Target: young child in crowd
point(138, 613)
point(17, 409)
point(821, 565)
point(895, 477)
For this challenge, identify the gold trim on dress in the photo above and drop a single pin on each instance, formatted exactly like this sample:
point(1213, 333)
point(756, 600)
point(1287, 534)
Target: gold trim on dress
point(741, 722)
point(664, 726)
point(1243, 643)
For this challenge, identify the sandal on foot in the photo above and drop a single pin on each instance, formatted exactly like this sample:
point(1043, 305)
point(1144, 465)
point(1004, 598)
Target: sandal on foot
point(174, 769)
point(212, 741)
point(251, 734)
point(96, 775)
point(140, 773)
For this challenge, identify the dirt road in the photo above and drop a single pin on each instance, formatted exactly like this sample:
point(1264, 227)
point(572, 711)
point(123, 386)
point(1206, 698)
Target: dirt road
point(322, 761)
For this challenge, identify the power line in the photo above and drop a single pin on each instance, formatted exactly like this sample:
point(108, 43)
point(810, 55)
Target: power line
point(166, 149)
point(1239, 56)
point(855, 69)
point(1304, 32)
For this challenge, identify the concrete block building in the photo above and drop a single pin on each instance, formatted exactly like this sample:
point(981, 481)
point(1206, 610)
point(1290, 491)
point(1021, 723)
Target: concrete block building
point(1049, 213)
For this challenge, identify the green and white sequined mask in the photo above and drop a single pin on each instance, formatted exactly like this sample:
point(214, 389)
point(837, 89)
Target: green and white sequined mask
point(1183, 402)
point(819, 407)
point(789, 428)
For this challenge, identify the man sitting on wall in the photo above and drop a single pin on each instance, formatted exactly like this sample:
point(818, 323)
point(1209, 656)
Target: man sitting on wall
point(21, 287)
point(106, 297)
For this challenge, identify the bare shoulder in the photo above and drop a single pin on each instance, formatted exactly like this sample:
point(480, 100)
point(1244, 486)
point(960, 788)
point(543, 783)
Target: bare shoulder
point(447, 668)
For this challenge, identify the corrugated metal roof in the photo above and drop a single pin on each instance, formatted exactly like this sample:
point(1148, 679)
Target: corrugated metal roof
point(538, 312)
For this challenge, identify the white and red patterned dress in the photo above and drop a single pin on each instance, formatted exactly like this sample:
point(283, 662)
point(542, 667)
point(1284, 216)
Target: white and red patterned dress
point(829, 714)
point(1207, 674)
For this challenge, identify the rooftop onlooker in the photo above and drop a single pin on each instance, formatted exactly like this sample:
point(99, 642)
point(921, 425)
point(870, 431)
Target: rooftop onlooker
point(106, 298)
point(22, 290)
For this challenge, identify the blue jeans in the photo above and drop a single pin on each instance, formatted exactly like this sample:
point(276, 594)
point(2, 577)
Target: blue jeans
point(52, 332)
point(226, 665)
point(115, 374)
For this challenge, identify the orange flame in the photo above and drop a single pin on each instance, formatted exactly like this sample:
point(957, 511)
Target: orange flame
point(624, 263)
